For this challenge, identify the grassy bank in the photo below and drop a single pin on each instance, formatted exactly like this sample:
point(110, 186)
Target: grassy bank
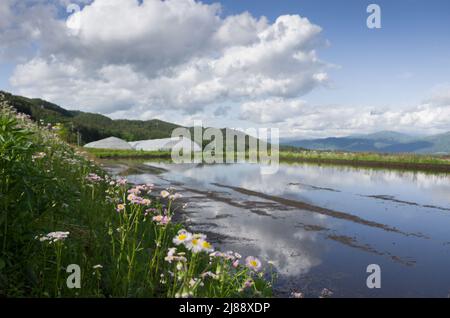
point(62, 215)
point(115, 153)
point(400, 161)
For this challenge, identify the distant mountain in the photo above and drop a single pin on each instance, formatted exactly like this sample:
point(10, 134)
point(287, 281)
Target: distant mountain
point(383, 141)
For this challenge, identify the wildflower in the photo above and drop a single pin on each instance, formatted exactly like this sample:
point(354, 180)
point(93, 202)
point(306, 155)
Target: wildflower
point(148, 211)
point(131, 197)
point(182, 237)
point(206, 246)
point(147, 187)
point(175, 196)
point(122, 181)
point(195, 282)
point(137, 200)
point(164, 194)
point(120, 207)
point(216, 254)
point(38, 155)
point(325, 293)
point(145, 202)
point(236, 263)
point(53, 237)
point(253, 263)
point(229, 255)
point(248, 283)
point(162, 219)
point(170, 254)
point(195, 244)
point(297, 295)
point(135, 190)
point(93, 177)
point(209, 274)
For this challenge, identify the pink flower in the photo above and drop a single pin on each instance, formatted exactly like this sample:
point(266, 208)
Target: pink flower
point(122, 181)
point(93, 177)
point(248, 283)
point(161, 219)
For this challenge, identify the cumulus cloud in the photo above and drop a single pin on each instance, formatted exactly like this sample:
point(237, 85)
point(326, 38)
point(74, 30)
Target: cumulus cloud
point(273, 110)
point(335, 120)
point(174, 54)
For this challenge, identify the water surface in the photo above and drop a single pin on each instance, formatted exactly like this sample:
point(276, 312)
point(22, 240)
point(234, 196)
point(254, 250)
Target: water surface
point(321, 225)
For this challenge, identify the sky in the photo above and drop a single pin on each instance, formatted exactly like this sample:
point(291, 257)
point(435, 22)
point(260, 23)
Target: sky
point(311, 68)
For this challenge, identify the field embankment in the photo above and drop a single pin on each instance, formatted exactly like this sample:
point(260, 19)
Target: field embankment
point(431, 163)
point(376, 160)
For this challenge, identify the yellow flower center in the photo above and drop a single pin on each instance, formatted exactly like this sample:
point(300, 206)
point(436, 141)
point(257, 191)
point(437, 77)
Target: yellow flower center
point(194, 241)
point(206, 245)
point(253, 263)
point(182, 237)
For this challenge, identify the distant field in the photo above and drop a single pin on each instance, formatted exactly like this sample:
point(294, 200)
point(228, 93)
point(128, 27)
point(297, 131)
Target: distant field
point(114, 153)
point(406, 161)
point(401, 161)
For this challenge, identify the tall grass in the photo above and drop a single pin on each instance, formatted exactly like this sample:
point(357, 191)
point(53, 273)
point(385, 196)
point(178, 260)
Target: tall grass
point(124, 153)
point(59, 208)
point(356, 157)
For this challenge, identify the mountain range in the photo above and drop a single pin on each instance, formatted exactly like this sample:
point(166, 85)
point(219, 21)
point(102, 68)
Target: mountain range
point(383, 142)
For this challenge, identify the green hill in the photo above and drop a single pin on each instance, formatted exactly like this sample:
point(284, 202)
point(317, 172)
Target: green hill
point(89, 126)
point(82, 127)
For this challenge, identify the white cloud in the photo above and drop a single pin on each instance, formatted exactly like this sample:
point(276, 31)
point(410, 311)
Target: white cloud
point(334, 120)
point(173, 54)
point(440, 95)
point(297, 118)
point(271, 110)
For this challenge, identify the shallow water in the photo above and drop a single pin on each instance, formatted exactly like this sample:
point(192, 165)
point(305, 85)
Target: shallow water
point(321, 225)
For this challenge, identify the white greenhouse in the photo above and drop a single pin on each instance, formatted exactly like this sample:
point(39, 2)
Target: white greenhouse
point(165, 144)
point(109, 143)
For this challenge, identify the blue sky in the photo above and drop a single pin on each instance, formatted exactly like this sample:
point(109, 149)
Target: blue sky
point(393, 78)
point(397, 64)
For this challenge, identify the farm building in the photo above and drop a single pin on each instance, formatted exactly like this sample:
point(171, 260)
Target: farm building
point(166, 144)
point(109, 143)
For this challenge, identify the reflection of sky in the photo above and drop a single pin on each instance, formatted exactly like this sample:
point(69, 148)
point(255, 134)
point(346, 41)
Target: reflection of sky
point(274, 232)
point(292, 250)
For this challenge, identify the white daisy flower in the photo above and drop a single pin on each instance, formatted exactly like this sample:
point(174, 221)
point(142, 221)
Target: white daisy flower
point(183, 237)
point(253, 263)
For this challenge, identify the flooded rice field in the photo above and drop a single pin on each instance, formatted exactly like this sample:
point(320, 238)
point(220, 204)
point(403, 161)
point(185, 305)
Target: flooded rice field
point(321, 226)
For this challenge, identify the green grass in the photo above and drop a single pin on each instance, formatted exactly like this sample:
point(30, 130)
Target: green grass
point(118, 153)
point(46, 186)
point(353, 157)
